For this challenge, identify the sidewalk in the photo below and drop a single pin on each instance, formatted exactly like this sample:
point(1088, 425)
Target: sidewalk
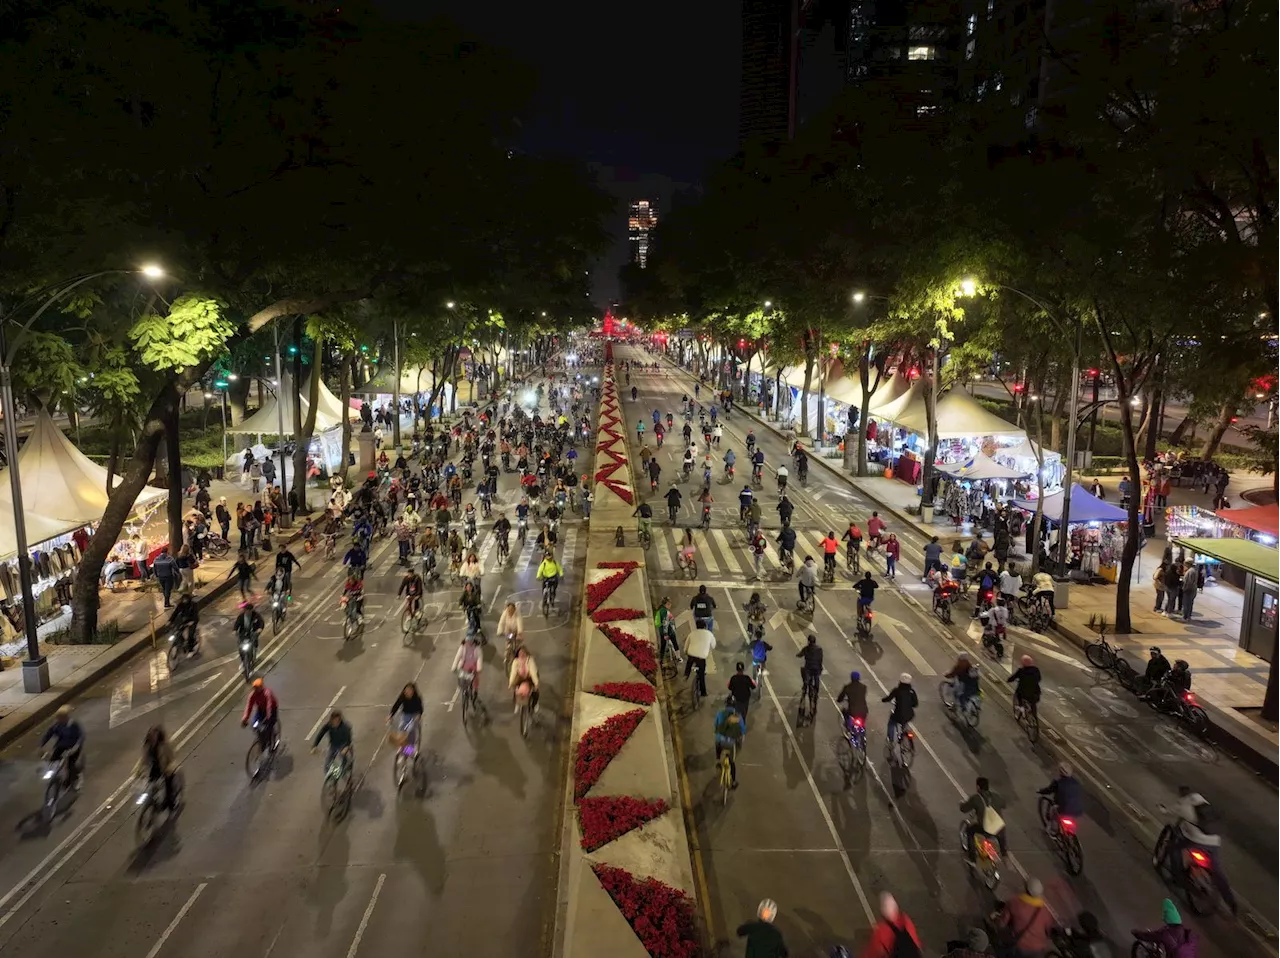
point(1229, 682)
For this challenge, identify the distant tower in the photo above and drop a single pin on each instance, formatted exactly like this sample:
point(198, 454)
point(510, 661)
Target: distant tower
point(641, 222)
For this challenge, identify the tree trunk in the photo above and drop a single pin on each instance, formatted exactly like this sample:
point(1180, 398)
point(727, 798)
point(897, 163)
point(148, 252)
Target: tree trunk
point(173, 453)
point(1037, 521)
point(1055, 422)
point(1220, 427)
point(809, 361)
point(307, 428)
point(84, 593)
point(113, 460)
point(1180, 431)
point(344, 396)
point(746, 378)
point(237, 396)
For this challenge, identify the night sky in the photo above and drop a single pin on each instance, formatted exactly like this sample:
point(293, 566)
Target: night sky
point(646, 93)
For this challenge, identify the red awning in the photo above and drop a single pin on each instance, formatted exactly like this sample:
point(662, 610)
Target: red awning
point(1258, 518)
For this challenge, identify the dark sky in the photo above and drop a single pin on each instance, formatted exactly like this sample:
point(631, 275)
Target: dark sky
point(645, 92)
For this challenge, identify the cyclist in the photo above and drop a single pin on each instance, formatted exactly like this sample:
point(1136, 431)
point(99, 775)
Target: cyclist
point(674, 498)
point(286, 562)
point(751, 441)
point(964, 680)
point(808, 579)
point(687, 464)
point(338, 731)
point(854, 697)
point(853, 543)
point(549, 572)
point(984, 806)
point(988, 579)
point(759, 545)
point(998, 618)
point(644, 512)
point(664, 624)
point(786, 543)
point(249, 623)
point(1172, 938)
point(264, 707)
point(1197, 827)
point(68, 740)
point(811, 671)
point(468, 661)
point(523, 678)
point(1010, 585)
point(697, 646)
point(802, 465)
point(730, 727)
point(875, 529)
point(782, 480)
point(1066, 792)
point(353, 593)
point(866, 588)
point(785, 510)
point(705, 499)
point(502, 528)
point(411, 587)
point(741, 686)
point(186, 621)
point(158, 762)
point(746, 498)
point(757, 465)
point(904, 700)
point(830, 546)
point(1027, 691)
point(1042, 590)
point(730, 460)
point(409, 704)
point(894, 934)
point(932, 558)
point(760, 650)
point(685, 556)
point(356, 558)
point(640, 432)
point(703, 606)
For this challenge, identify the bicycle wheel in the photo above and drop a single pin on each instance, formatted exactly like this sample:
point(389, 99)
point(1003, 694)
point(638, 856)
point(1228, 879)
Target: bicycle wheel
point(907, 749)
point(399, 768)
point(945, 608)
point(1126, 674)
point(1100, 655)
point(276, 621)
point(526, 719)
point(173, 654)
point(1197, 720)
point(253, 760)
point(146, 825)
point(1072, 853)
point(51, 795)
point(466, 707)
point(1045, 807)
point(1160, 852)
point(1030, 723)
point(419, 774)
point(845, 757)
point(972, 713)
point(947, 692)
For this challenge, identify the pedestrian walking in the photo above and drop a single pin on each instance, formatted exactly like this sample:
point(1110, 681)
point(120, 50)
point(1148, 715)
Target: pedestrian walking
point(893, 549)
point(165, 569)
point(223, 515)
point(186, 562)
point(1190, 586)
point(1157, 582)
point(255, 475)
point(268, 471)
point(1173, 588)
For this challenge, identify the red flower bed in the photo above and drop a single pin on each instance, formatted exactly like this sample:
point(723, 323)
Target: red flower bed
point(615, 615)
point(598, 746)
point(597, 592)
point(661, 916)
point(607, 470)
point(618, 457)
point(629, 564)
point(638, 652)
point(638, 693)
point(622, 492)
point(604, 819)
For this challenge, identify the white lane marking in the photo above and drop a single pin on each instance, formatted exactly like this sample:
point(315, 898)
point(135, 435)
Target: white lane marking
point(566, 551)
point(121, 700)
point(128, 715)
point(726, 552)
point(324, 716)
point(182, 913)
point(894, 629)
point(664, 542)
point(708, 558)
point(364, 920)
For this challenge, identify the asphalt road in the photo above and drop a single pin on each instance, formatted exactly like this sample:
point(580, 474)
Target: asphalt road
point(797, 832)
point(252, 869)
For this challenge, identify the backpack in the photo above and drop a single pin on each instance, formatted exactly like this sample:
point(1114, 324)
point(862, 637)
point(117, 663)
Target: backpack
point(730, 726)
point(904, 946)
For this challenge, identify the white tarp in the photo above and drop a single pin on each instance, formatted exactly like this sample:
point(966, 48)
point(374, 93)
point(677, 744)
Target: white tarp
point(959, 417)
point(266, 421)
point(905, 410)
point(889, 391)
point(979, 467)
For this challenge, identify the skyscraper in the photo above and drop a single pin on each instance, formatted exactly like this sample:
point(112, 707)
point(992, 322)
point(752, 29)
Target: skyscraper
point(907, 50)
point(641, 221)
point(765, 107)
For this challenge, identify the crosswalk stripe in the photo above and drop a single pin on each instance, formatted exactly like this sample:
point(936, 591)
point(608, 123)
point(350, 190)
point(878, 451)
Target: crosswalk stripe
point(726, 552)
point(664, 546)
point(708, 559)
point(527, 555)
point(566, 554)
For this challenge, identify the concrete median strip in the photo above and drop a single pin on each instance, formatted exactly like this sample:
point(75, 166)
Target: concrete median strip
point(588, 920)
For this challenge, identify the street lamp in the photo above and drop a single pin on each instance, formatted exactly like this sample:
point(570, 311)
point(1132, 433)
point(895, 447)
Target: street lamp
point(450, 304)
point(35, 669)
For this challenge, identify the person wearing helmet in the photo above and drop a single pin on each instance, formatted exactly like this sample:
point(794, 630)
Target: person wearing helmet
point(730, 725)
point(904, 701)
point(68, 740)
point(763, 938)
point(854, 698)
point(1027, 690)
point(1066, 793)
point(812, 654)
point(977, 944)
point(264, 707)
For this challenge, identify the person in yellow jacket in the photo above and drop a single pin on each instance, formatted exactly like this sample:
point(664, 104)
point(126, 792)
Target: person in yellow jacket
point(550, 572)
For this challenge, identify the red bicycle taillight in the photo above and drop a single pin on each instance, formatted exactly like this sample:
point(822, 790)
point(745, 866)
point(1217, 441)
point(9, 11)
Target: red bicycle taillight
point(857, 723)
point(1200, 858)
point(1068, 825)
point(1189, 698)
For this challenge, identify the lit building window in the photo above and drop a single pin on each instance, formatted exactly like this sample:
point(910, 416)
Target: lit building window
point(920, 53)
point(926, 109)
point(973, 23)
point(991, 8)
point(969, 49)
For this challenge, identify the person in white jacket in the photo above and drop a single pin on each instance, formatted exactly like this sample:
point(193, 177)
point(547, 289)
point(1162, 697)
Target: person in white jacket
point(511, 622)
point(524, 678)
point(468, 660)
point(697, 649)
point(1196, 831)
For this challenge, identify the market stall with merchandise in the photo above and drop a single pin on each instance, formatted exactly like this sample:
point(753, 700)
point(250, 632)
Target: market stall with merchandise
point(1096, 530)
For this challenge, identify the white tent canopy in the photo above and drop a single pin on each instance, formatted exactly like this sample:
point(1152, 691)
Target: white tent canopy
point(906, 410)
point(1026, 450)
point(266, 421)
point(979, 467)
point(890, 390)
point(62, 489)
point(959, 417)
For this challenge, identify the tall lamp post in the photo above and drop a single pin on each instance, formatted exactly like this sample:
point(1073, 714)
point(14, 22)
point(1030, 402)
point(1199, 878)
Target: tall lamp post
point(35, 668)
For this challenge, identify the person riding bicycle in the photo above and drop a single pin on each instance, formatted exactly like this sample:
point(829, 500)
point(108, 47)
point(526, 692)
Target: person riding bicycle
point(757, 463)
point(263, 706)
point(411, 587)
point(286, 562)
point(549, 573)
point(338, 731)
point(1196, 827)
point(705, 499)
point(904, 701)
point(687, 463)
point(703, 606)
point(753, 515)
point(523, 678)
point(782, 479)
point(802, 465)
point(811, 671)
point(356, 558)
point(159, 763)
point(1027, 691)
point(1066, 792)
point(746, 498)
point(785, 510)
point(644, 513)
point(987, 580)
point(830, 546)
point(786, 542)
point(964, 680)
point(854, 697)
point(353, 593)
point(751, 441)
point(730, 727)
point(853, 540)
point(674, 497)
point(1042, 590)
point(984, 806)
point(875, 529)
point(664, 624)
point(185, 620)
point(1173, 938)
point(248, 623)
point(808, 579)
point(866, 589)
point(1010, 585)
point(944, 588)
point(997, 619)
point(760, 650)
point(68, 741)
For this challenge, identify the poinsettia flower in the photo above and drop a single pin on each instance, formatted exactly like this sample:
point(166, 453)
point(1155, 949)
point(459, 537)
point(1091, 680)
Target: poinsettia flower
point(599, 745)
point(609, 817)
point(638, 652)
point(641, 693)
point(661, 916)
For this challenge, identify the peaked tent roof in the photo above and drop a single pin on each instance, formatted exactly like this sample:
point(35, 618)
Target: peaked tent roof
point(1084, 507)
point(1027, 450)
point(980, 467)
point(907, 409)
point(960, 415)
point(890, 389)
point(330, 405)
point(1258, 518)
point(266, 421)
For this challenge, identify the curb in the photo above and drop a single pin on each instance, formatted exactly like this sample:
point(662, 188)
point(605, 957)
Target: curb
point(1244, 742)
point(101, 665)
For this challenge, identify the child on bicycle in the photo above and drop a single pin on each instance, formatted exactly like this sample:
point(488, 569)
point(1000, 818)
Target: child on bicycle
point(730, 728)
point(686, 549)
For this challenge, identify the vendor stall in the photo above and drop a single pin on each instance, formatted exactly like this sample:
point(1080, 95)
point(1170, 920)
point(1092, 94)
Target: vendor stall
point(1097, 530)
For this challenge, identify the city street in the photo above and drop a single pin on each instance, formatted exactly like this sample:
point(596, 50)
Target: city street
point(796, 831)
point(248, 868)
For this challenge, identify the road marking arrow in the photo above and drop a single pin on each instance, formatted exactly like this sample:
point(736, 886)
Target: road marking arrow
point(894, 629)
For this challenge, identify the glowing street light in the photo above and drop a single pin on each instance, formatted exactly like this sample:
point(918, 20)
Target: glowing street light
point(449, 305)
point(968, 287)
point(768, 304)
point(152, 271)
point(859, 297)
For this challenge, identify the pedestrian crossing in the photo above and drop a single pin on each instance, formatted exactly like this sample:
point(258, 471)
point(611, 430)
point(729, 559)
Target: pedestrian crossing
point(722, 553)
point(524, 558)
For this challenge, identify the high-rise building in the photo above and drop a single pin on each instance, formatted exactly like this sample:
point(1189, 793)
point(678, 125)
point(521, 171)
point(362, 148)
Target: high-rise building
point(765, 102)
point(906, 50)
point(641, 222)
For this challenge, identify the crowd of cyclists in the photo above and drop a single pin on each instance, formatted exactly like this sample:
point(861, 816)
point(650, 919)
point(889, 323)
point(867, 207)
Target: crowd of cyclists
point(1023, 927)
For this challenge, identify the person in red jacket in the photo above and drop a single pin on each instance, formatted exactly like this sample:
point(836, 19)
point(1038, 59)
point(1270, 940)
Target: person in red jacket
point(893, 927)
point(263, 703)
point(892, 549)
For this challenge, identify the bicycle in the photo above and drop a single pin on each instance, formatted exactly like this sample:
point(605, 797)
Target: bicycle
point(696, 689)
point(805, 606)
point(645, 539)
point(261, 757)
point(986, 857)
point(853, 560)
point(336, 788)
point(863, 626)
point(471, 704)
point(526, 711)
point(727, 757)
point(851, 750)
point(688, 564)
point(970, 710)
point(149, 805)
point(757, 672)
point(58, 775)
point(410, 620)
point(900, 752)
point(408, 760)
point(1102, 654)
point(1035, 612)
point(353, 621)
point(1062, 831)
point(809, 694)
point(828, 573)
point(548, 597)
point(1024, 713)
